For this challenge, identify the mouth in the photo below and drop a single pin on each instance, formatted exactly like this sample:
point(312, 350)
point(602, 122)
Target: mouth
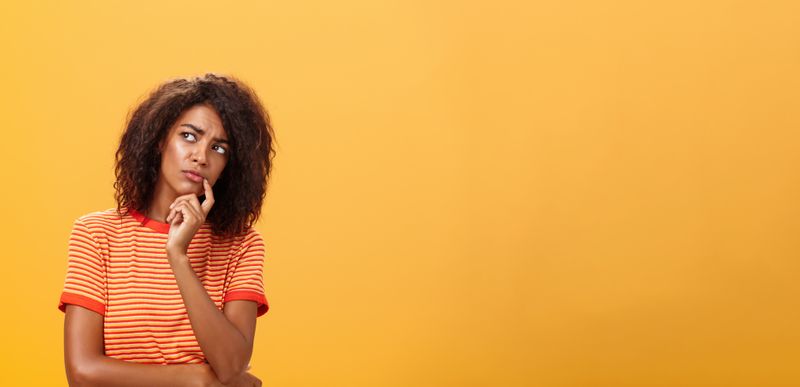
point(193, 176)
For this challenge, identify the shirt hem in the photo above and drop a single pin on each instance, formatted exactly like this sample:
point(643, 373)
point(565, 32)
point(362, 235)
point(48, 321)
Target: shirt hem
point(250, 295)
point(77, 299)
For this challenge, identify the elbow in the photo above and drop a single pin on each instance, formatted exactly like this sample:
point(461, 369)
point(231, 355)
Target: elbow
point(82, 372)
point(233, 372)
point(225, 380)
point(228, 377)
point(79, 375)
point(234, 365)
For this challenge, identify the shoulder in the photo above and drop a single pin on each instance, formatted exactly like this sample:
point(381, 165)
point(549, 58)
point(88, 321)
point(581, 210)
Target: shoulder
point(251, 235)
point(98, 221)
point(107, 215)
point(248, 239)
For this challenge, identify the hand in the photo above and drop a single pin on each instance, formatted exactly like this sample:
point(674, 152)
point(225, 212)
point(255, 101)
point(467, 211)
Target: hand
point(185, 217)
point(246, 379)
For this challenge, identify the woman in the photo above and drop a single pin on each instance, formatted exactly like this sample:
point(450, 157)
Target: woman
point(165, 288)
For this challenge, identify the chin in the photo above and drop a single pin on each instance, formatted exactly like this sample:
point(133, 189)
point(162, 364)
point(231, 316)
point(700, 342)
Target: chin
point(185, 189)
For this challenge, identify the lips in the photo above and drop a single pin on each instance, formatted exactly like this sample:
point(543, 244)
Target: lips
point(193, 176)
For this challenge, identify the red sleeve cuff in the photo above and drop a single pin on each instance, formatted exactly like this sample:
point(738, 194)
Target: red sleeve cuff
point(77, 299)
point(250, 295)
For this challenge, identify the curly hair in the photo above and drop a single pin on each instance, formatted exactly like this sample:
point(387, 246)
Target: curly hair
point(240, 190)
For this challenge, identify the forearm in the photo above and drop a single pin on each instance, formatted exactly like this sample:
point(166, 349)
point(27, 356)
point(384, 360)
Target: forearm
point(224, 347)
point(107, 371)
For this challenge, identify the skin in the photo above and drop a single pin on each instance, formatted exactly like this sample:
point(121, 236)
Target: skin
point(197, 141)
point(226, 337)
point(186, 149)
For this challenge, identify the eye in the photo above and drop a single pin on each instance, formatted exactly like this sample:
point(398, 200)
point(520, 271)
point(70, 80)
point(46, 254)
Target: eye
point(224, 151)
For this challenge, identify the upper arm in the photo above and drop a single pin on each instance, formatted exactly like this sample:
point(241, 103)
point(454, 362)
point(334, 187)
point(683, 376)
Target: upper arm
point(246, 280)
point(244, 299)
point(242, 314)
point(83, 340)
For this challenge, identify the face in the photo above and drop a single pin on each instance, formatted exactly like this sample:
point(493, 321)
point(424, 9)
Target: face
point(196, 142)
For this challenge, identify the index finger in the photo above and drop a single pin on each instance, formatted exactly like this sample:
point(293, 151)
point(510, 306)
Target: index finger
point(209, 197)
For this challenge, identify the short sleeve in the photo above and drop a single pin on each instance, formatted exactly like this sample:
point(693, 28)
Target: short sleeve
point(246, 278)
point(85, 282)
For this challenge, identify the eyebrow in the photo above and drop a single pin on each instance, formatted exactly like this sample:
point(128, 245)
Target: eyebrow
point(201, 131)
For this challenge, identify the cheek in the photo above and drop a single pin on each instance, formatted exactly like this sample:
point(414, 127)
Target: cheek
point(177, 151)
point(171, 158)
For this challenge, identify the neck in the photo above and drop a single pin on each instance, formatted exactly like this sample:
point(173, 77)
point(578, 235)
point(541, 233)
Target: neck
point(159, 206)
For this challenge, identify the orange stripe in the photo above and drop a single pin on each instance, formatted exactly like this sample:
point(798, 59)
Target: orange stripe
point(122, 262)
point(77, 299)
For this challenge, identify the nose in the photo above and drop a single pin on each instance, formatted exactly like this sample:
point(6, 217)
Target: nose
point(199, 156)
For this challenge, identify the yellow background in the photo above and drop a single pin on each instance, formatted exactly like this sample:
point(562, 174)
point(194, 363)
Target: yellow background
point(560, 193)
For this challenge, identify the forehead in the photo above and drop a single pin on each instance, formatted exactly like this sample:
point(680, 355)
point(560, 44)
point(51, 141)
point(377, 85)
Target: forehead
point(202, 116)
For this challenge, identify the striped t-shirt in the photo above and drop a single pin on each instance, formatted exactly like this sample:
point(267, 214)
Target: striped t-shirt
point(117, 267)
